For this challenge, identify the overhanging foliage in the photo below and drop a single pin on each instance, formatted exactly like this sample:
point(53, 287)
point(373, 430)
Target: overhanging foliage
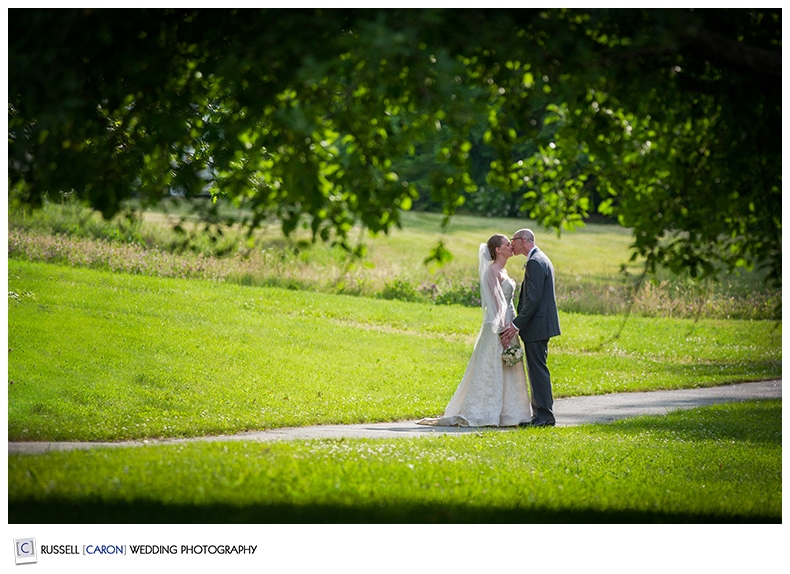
point(668, 120)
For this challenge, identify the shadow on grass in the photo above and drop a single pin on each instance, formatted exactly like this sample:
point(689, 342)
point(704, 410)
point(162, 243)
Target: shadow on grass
point(56, 512)
point(754, 421)
point(758, 422)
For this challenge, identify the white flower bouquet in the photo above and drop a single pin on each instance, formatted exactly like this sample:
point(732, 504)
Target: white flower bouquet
point(513, 355)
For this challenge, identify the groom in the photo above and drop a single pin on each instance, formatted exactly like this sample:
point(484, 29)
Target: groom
point(536, 323)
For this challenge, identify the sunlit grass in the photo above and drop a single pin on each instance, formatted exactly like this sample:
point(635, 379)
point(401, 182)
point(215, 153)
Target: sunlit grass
point(95, 355)
point(142, 352)
point(715, 464)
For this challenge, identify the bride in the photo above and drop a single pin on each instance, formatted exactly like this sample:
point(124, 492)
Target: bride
point(491, 393)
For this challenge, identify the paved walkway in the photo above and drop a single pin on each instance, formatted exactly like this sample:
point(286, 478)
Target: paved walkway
point(569, 412)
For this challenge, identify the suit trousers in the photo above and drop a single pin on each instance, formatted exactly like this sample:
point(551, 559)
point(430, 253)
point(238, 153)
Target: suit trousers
point(537, 354)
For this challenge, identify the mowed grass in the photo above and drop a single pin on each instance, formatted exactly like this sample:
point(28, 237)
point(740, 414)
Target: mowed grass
point(715, 464)
point(95, 355)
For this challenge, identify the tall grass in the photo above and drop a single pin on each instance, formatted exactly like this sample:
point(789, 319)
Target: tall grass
point(594, 276)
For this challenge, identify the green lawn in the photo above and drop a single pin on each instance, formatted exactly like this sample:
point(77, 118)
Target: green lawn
point(102, 355)
point(717, 464)
point(95, 355)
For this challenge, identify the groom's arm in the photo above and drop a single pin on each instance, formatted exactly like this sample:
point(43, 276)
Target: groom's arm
point(536, 274)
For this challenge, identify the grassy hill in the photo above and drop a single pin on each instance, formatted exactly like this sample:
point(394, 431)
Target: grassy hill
point(100, 355)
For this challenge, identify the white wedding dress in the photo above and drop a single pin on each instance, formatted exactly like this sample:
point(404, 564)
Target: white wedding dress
point(490, 393)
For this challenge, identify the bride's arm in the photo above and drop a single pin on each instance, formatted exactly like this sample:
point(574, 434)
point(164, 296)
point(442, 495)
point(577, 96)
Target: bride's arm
point(494, 300)
point(509, 329)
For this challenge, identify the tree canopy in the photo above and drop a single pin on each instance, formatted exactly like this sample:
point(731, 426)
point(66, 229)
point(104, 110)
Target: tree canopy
point(668, 120)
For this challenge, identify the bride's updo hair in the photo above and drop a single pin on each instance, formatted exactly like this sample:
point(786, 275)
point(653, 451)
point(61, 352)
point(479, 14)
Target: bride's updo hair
point(494, 242)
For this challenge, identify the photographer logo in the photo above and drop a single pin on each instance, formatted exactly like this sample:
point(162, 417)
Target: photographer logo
point(25, 550)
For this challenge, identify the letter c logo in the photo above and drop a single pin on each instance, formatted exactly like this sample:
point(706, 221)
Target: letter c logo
point(25, 549)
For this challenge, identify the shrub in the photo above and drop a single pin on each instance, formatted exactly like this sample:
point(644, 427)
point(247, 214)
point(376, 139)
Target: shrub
point(402, 290)
point(460, 293)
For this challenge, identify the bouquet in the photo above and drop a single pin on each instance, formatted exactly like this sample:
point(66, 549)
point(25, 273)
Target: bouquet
point(513, 355)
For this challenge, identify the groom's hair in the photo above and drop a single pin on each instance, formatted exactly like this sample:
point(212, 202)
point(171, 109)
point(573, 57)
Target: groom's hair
point(526, 234)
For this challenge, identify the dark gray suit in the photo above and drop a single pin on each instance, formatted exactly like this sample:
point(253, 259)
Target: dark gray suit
point(537, 322)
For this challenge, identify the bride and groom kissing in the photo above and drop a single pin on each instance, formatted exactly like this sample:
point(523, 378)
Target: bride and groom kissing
point(494, 392)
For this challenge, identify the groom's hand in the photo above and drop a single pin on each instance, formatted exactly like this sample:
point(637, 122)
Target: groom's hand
point(507, 335)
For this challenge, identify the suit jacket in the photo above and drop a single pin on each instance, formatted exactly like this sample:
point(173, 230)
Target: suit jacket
point(537, 318)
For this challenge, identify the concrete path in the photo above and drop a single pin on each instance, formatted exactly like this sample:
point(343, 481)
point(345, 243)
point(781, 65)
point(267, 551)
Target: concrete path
point(569, 412)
